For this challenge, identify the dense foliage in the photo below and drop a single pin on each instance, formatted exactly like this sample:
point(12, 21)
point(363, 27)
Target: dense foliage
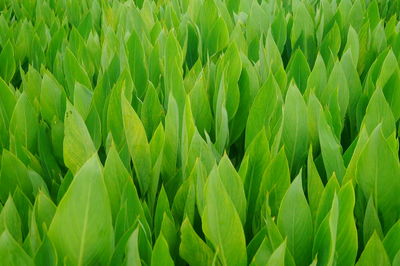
point(201, 132)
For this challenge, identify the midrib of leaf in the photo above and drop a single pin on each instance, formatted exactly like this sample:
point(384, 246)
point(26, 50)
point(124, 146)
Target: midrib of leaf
point(295, 141)
point(3, 113)
point(121, 144)
point(299, 76)
point(81, 246)
point(251, 186)
point(220, 247)
point(376, 184)
point(292, 232)
point(25, 135)
point(2, 118)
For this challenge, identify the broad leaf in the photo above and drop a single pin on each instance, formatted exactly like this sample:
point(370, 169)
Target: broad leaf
point(295, 222)
point(221, 223)
point(89, 236)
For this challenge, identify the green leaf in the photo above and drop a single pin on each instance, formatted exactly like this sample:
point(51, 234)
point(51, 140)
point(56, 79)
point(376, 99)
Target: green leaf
point(13, 175)
point(265, 110)
point(233, 186)
point(353, 44)
point(78, 146)
point(132, 249)
point(354, 83)
point(388, 79)
point(359, 146)
point(74, 72)
point(188, 130)
point(161, 209)
point(217, 37)
point(10, 220)
point(298, 70)
point(138, 145)
point(387, 69)
point(302, 33)
point(192, 248)
point(171, 139)
point(371, 222)
point(11, 252)
point(46, 254)
point(136, 59)
point(325, 202)
point(23, 126)
point(152, 111)
point(392, 241)
point(185, 200)
point(331, 150)
point(24, 207)
point(157, 153)
point(174, 74)
point(7, 103)
point(337, 87)
point(31, 83)
point(200, 177)
point(52, 99)
point(325, 238)
point(160, 255)
point(82, 99)
point(88, 237)
point(295, 222)
point(248, 85)
point(315, 187)
point(200, 104)
point(252, 169)
point(347, 239)
point(277, 258)
point(279, 29)
point(271, 61)
point(93, 123)
point(169, 230)
point(114, 119)
point(379, 112)
point(295, 131)
point(374, 253)
point(331, 43)
point(373, 14)
point(317, 79)
point(263, 253)
point(33, 240)
point(221, 120)
point(356, 16)
point(377, 173)
point(227, 238)
point(314, 111)
point(231, 67)
point(115, 178)
point(7, 59)
point(255, 242)
point(130, 212)
point(43, 210)
point(275, 182)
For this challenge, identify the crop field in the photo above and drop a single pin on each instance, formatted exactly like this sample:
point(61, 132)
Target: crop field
point(199, 132)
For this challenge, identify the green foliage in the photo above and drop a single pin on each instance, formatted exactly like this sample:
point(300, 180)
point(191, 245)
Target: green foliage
point(199, 132)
